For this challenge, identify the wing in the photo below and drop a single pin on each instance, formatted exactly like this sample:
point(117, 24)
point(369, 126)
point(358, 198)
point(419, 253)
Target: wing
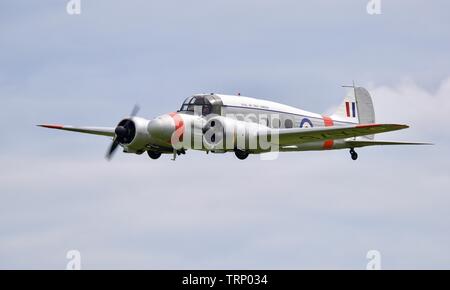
point(305, 135)
point(103, 131)
point(364, 143)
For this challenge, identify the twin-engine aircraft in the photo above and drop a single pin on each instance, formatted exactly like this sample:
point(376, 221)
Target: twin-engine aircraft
point(228, 123)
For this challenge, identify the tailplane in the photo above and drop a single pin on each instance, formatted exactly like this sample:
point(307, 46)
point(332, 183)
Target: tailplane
point(362, 142)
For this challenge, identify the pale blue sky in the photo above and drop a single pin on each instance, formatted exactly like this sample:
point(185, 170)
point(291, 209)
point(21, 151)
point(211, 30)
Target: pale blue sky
point(304, 210)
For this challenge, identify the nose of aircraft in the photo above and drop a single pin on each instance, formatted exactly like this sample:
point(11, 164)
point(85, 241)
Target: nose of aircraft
point(162, 127)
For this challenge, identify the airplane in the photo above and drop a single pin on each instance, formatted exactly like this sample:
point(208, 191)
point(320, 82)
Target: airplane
point(220, 123)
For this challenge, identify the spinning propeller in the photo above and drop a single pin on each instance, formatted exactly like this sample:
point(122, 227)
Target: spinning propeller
point(124, 131)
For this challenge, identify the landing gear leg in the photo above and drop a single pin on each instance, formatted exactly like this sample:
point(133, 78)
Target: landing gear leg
point(179, 152)
point(174, 155)
point(353, 154)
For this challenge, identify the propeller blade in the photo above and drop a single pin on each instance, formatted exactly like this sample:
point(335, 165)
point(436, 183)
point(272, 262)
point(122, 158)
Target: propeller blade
point(135, 110)
point(121, 132)
point(112, 149)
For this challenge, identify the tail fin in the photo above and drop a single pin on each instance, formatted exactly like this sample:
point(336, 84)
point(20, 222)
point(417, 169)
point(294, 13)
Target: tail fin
point(366, 112)
point(357, 107)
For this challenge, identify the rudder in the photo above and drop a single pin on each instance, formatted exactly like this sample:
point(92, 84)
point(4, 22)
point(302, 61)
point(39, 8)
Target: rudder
point(366, 111)
point(357, 107)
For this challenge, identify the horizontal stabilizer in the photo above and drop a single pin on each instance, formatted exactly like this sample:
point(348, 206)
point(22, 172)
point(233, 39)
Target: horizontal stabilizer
point(363, 143)
point(103, 131)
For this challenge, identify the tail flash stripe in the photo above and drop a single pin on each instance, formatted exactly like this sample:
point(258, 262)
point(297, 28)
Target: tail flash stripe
point(328, 122)
point(354, 109)
point(347, 108)
point(328, 145)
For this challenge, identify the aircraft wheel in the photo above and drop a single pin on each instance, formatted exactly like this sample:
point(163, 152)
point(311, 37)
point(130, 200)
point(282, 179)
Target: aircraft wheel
point(154, 154)
point(353, 154)
point(241, 155)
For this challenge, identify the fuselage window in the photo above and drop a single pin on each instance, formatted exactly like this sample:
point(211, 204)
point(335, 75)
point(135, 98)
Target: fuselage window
point(264, 121)
point(276, 123)
point(288, 123)
point(240, 117)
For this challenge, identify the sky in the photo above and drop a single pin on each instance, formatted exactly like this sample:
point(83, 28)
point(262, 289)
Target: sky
point(305, 210)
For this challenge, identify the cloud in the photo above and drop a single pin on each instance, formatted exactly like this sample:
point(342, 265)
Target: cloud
point(407, 102)
point(304, 210)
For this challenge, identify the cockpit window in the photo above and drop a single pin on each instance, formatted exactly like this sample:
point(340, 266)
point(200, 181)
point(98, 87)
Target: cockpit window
point(185, 106)
point(188, 100)
point(190, 103)
point(206, 104)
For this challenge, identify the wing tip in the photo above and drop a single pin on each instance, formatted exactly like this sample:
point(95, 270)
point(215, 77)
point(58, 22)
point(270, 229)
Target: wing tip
point(397, 126)
point(51, 126)
point(402, 126)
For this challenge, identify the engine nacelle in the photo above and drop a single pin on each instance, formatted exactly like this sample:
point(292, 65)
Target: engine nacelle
point(138, 135)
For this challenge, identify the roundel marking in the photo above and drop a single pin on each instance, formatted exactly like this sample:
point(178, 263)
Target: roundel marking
point(306, 123)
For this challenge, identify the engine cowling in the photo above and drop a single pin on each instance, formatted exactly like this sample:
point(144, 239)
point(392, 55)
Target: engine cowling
point(133, 135)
